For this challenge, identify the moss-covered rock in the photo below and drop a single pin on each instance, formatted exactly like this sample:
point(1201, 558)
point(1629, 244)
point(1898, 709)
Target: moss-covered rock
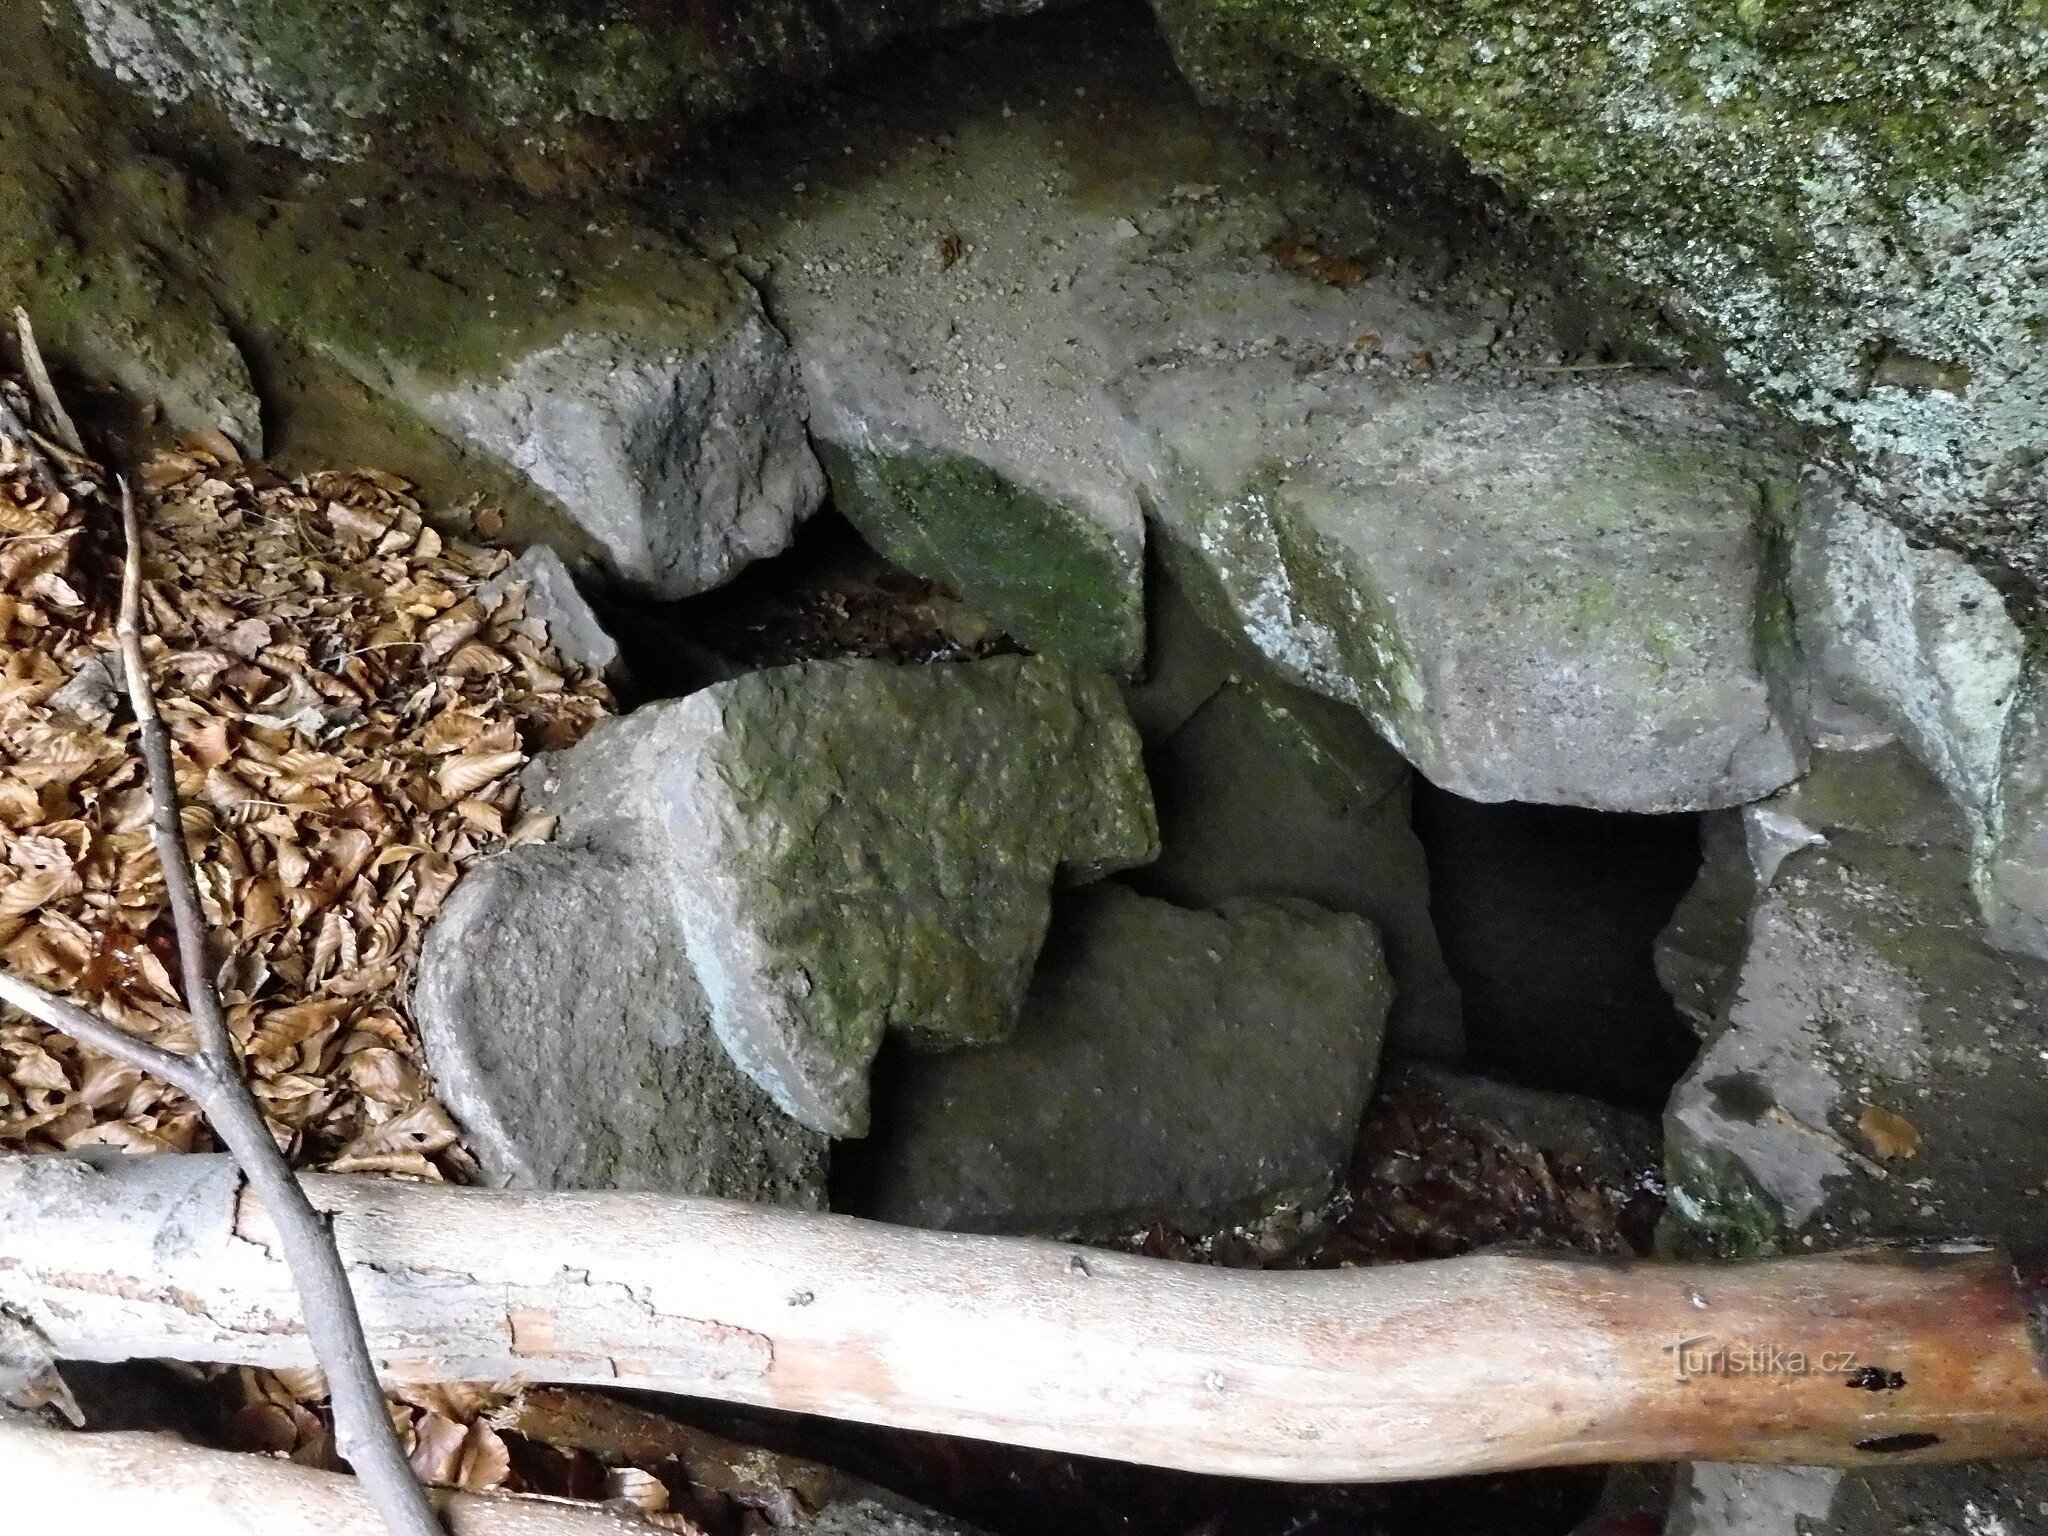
point(625, 382)
point(327, 78)
point(1060, 580)
point(1842, 201)
point(853, 847)
point(91, 247)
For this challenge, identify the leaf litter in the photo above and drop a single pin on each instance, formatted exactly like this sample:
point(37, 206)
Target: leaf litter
point(349, 717)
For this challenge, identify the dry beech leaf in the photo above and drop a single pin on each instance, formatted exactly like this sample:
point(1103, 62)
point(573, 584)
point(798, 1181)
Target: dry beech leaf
point(336, 780)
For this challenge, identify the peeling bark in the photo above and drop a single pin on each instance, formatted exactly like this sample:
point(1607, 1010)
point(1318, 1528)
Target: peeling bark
point(1488, 1362)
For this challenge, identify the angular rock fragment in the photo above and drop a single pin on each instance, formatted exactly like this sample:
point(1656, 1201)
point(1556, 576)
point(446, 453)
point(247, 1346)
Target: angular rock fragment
point(1540, 585)
point(547, 594)
point(567, 1032)
point(1714, 1499)
point(1175, 1066)
point(1272, 791)
point(620, 382)
point(851, 847)
point(1876, 1072)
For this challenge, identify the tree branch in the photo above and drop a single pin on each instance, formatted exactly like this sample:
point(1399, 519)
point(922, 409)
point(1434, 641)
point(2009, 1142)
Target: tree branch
point(1459, 1366)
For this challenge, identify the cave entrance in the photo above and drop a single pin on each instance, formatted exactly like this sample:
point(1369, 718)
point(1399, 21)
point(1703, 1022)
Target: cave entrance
point(1548, 916)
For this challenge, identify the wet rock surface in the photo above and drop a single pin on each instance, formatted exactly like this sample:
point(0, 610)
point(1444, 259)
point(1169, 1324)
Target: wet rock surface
point(1169, 1065)
point(851, 847)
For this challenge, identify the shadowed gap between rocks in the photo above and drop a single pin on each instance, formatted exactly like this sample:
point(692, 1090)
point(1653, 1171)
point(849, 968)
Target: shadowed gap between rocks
point(1548, 917)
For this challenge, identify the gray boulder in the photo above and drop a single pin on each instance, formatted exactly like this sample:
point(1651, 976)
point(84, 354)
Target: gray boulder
point(548, 596)
point(1538, 584)
point(850, 847)
point(1186, 1067)
point(1841, 204)
point(1872, 1073)
point(621, 384)
point(327, 78)
point(1969, 1500)
point(2014, 883)
point(1270, 790)
point(568, 1034)
point(1579, 624)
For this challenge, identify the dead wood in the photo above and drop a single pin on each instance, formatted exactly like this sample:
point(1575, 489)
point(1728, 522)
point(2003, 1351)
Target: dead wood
point(59, 1480)
point(1431, 1369)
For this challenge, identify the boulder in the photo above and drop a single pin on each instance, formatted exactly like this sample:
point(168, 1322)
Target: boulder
point(852, 846)
point(1875, 1071)
point(1840, 203)
point(1270, 790)
point(1578, 626)
point(1912, 639)
point(328, 80)
point(1968, 1500)
point(1191, 1068)
point(1539, 584)
point(90, 246)
point(627, 386)
point(548, 596)
point(2014, 884)
point(568, 1034)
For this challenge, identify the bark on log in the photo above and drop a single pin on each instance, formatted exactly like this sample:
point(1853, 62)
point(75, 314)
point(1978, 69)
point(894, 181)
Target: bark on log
point(57, 1480)
point(1422, 1370)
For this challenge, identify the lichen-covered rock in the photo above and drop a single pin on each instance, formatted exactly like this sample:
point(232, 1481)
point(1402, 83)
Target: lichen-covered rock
point(568, 1034)
point(1175, 1066)
point(1272, 791)
point(1875, 1073)
point(326, 78)
point(628, 384)
point(1540, 586)
point(1843, 202)
point(851, 847)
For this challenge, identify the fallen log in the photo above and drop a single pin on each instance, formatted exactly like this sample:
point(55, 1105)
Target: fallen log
point(1483, 1363)
point(59, 1480)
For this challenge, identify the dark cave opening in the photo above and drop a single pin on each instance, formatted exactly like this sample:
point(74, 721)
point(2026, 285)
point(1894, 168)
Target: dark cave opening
point(1548, 916)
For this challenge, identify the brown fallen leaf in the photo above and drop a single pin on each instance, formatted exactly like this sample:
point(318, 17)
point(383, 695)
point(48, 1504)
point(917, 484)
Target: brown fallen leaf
point(1887, 1135)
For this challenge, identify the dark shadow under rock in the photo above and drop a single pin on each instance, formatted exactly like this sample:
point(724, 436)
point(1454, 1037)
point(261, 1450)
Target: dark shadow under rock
point(1549, 919)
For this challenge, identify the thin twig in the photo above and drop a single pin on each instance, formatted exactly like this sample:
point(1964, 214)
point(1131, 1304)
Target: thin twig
point(39, 381)
point(363, 1432)
point(212, 1078)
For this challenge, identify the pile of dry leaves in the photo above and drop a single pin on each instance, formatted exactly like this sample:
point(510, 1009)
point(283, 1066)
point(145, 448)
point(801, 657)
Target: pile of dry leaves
point(352, 697)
